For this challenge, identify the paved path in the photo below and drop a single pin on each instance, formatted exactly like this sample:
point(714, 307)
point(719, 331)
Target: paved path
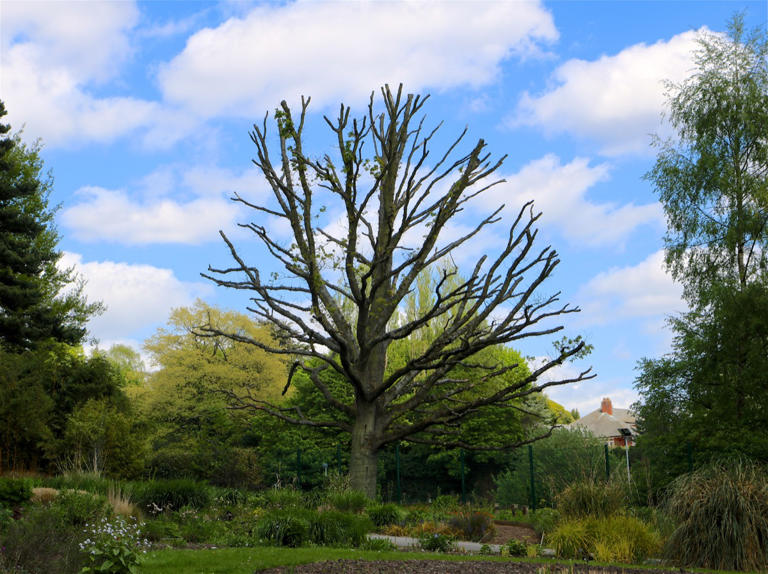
point(408, 543)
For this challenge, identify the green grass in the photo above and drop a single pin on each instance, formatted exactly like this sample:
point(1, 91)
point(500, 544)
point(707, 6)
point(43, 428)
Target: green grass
point(248, 560)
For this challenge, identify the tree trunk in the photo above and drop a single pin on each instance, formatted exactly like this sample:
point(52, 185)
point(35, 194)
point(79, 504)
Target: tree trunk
point(364, 455)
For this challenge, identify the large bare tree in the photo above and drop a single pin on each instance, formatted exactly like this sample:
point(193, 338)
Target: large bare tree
point(388, 192)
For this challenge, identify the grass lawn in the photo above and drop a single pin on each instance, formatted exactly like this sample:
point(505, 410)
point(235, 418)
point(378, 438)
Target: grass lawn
point(248, 560)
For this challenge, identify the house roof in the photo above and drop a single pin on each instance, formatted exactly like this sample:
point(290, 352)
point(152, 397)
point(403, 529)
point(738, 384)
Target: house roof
point(603, 425)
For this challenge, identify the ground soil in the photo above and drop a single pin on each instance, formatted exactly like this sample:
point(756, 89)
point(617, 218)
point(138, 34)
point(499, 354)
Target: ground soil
point(506, 531)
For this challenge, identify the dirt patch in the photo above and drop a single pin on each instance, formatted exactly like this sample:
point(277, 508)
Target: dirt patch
point(506, 531)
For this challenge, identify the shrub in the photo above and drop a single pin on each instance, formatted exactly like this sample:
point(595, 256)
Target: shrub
point(446, 503)
point(722, 515)
point(284, 527)
point(570, 539)
point(591, 498)
point(77, 507)
point(544, 520)
point(335, 528)
point(435, 542)
point(14, 491)
point(475, 526)
point(156, 530)
point(44, 495)
point(385, 514)
point(610, 539)
point(517, 548)
point(348, 500)
point(161, 495)
point(485, 550)
point(284, 498)
point(41, 543)
point(416, 516)
point(113, 546)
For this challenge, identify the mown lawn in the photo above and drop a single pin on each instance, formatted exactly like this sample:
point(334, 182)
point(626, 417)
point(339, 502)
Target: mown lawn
point(248, 560)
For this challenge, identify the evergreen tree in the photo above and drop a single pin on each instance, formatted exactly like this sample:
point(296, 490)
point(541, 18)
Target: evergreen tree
point(38, 301)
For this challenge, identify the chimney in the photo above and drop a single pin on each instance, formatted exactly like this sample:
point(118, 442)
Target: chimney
point(606, 406)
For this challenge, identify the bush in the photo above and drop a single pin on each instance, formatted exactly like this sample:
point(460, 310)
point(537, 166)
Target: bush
point(14, 491)
point(348, 500)
point(474, 526)
point(517, 548)
point(385, 514)
point(544, 520)
point(41, 543)
point(78, 508)
point(338, 528)
point(157, 530)
point(722, 516)
point(591, 498)
point(284, 498)
point(571, 539)
point(609, 539)
point(162, 495)
point(284, 527)
point(113, 546)
point(435, 542)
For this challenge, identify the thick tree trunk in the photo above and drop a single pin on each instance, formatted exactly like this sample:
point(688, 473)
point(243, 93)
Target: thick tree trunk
point(364, 454)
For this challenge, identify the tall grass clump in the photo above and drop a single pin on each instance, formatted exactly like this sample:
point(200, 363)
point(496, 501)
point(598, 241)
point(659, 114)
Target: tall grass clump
point(617, 538)
point(162, 495)
point(594, 498)
point(722, 516)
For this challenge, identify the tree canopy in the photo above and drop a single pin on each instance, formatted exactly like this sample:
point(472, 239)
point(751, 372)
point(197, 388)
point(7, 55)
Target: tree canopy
point(38, 300)
point(389, 188)
point(711, 390)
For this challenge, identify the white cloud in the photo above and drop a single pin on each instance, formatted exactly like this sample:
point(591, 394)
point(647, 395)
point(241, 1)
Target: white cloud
point(335, 50)
point(642, 290)
point(137, 296)
point(617, 99)
point(173, 204)
point(115, 216)
point(560, 192)
point(56, 54)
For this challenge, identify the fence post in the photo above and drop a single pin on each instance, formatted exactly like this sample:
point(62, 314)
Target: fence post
point(607, 464)
point(463, 483)
point(298, 466)
point(397, 474)
point(533, 481)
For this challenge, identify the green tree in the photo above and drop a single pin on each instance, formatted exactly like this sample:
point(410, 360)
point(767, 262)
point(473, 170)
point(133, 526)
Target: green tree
point(711, 390)
point(370, 265)
point(38, 301)
point(188, 399)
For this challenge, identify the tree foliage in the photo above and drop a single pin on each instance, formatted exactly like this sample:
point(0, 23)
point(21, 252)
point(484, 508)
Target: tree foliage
point(390, 191)
point(711, 390)
point(188, 400)
point(38, 301)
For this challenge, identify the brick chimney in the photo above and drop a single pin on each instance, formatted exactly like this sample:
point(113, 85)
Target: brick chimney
point(606, 406)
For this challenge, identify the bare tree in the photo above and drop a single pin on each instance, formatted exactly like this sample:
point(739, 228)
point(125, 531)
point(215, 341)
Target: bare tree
point(370, 268)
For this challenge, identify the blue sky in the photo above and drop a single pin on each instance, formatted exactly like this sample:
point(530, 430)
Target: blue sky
point(143, 109)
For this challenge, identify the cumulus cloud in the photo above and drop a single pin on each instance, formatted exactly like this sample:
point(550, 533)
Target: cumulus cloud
point(560, 191)
point(51, 53)
point(617, 99)
point(173, 204)
point(642, 290)
point(335, 50)
point(137, 296)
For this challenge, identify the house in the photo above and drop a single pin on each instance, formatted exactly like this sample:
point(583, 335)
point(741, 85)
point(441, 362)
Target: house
point(614, 425)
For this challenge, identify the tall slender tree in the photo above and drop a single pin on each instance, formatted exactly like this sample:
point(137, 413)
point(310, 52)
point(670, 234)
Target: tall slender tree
point(371, 267)
point(712, 180)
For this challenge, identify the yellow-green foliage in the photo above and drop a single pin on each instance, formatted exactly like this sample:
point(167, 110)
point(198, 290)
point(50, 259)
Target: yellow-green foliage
point(594, 498)
point(609, 539)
